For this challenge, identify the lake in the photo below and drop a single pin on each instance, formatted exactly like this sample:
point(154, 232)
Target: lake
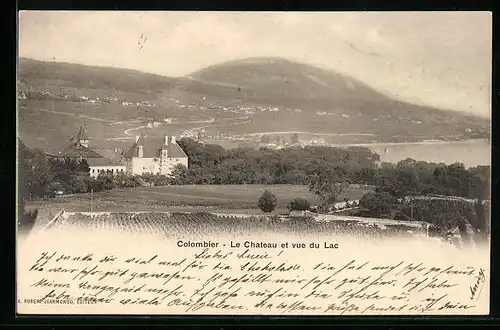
point(471, 152)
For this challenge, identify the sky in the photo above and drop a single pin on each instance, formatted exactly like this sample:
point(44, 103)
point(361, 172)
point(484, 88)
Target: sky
point(441, 59)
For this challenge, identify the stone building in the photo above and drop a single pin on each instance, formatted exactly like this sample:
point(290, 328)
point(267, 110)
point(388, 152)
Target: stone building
point(79, 148)
point(154, 155)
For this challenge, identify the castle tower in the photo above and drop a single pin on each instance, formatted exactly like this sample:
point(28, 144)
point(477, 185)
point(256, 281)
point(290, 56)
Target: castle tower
point(164, 147)
point(82, 138)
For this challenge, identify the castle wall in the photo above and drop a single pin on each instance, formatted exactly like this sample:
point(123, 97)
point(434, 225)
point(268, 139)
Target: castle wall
point(145, 165)
point(168, 164)
point(115, 169)
point(139, 166)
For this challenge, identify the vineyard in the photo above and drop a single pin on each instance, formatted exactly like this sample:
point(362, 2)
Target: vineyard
point(201, 224)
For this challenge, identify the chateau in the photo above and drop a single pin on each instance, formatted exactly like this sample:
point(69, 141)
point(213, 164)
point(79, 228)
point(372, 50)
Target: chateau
point(78, 148)
point(154, 156)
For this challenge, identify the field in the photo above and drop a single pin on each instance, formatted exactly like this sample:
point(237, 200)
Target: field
point(48, 125)
point(51, 131)
point(220, 198)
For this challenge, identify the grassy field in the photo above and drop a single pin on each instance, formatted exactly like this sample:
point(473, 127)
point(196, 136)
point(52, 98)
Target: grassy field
point(220, 198)
point(52, 131)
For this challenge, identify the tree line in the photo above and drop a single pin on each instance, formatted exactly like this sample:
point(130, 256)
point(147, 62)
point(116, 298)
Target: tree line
point(324, 166)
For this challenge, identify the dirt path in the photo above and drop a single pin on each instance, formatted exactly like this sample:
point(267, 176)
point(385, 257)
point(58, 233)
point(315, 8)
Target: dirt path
point(127, 131)
point(211, 120)
point(192, 131)
point(310, 133)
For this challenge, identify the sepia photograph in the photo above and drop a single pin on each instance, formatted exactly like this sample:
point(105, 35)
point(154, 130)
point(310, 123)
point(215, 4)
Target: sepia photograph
point(253, 163)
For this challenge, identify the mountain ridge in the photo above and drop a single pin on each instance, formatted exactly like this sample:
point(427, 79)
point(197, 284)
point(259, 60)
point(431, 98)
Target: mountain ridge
point(328, 101)
point(325, 87)
point(197, 81)
point(241, 97)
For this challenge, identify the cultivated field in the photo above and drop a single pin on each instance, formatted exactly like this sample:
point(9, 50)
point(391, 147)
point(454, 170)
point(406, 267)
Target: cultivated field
point(201, 224)
point(220, 198)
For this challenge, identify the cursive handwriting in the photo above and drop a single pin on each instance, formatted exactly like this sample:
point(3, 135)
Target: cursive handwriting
point(478, 285)
point(246, 281)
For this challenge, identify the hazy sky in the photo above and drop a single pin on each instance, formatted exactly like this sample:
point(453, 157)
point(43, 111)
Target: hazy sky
point(436, 58)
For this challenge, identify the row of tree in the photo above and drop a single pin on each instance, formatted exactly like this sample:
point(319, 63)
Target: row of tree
point(326, 170)
point(212, 164)
point(443, 214)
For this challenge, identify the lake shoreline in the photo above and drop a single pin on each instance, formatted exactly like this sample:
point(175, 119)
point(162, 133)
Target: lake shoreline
point(424, 142)
point(471, 153)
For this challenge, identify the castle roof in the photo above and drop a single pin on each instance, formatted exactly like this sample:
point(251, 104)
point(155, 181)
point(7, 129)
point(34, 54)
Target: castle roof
point(152, 146)
point(76, 150)
point(103, 162)
point(82, 133)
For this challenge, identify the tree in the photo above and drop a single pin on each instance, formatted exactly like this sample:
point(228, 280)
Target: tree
point(83, 166)
point(26, 219)
point(267, 201)
point(105, 181)
point(34, 172)
point(381, 204)
point(299, 204)
point(479, 182)
point(328, 187)
point(79, 184)
point(481, 217)
point(408, 182)
point(362, 176)
point(406, 163)
point(464, 232)
point(443, 214)
point(179, 174)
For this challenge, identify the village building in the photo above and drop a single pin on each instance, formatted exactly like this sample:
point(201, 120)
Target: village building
point(152, 155)
point(21, 95)
point(105, 165)
point(79, 149)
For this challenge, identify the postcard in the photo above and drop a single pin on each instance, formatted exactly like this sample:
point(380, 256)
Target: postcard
point(253, 163)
